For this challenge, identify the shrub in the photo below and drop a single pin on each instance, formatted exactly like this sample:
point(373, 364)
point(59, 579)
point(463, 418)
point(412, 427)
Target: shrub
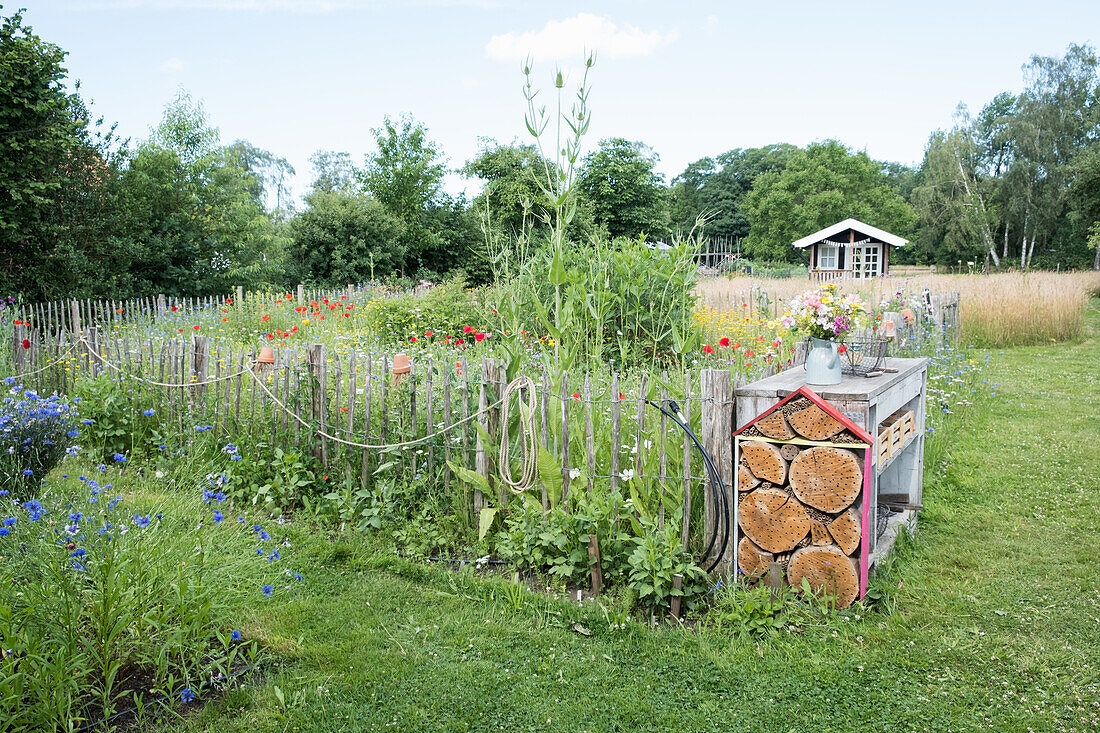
point(35, 433)
point(118, 421)
point(443, 309)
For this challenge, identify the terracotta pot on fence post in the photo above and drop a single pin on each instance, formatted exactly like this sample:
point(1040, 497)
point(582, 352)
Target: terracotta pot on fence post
point(265, 362)
point(402, 365)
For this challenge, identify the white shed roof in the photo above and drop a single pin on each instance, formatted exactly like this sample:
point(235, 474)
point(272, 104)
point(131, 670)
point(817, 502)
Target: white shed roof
point(844, 226)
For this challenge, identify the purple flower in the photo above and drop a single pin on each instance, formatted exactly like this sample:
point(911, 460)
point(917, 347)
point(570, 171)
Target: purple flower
point(187, 695)
point(267, 590)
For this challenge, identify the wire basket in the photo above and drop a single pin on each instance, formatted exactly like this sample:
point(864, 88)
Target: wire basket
point(863, 355)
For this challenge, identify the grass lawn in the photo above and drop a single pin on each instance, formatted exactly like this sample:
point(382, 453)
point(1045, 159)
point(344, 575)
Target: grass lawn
point(991, 620)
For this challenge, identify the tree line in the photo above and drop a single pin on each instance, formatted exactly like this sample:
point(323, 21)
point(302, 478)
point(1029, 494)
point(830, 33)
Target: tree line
point(85, 214)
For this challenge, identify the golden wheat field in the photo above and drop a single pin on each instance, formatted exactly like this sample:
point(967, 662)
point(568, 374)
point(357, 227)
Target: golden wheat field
point(1002, 309)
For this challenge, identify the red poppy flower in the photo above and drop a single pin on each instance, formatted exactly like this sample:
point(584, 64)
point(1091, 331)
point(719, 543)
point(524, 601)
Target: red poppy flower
point(429, 334)
point(195, 327)
point(181, 330)
point(622, 396)
point(479, 337)
point(412, 339)
point(265, 318)
point(577, 396)
point(18, 323)
point(225, 320)
point(748, 353)
point(708, 349)
point(26, 343)
point(724, 343)
point(175, 307)
point(118, 310)
point(467, 329)
point(460, 341)
point(270, 335)
point(737, 345)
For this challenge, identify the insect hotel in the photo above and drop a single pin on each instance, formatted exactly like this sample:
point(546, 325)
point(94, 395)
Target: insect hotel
point(824, 481)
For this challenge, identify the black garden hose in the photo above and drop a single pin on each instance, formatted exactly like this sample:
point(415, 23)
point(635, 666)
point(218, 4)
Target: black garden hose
point(720, 497)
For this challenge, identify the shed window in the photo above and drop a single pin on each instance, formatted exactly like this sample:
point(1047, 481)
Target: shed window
point(826, 256)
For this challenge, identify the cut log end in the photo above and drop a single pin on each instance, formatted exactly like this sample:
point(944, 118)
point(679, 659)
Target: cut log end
point(774, 520)
point(745, 480)
point(789, 451)
point(815, 424)
point(828, 571)
point(765, 461)
point(845, 531)
point(751, 560)
point(775, 426)
point(827, 478)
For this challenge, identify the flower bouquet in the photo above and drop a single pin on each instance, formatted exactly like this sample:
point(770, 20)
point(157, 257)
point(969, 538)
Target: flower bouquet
point(825, 313)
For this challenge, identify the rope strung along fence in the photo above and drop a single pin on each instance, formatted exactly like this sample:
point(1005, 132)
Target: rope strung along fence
point(504, 470)
point(52, 364)
point(104, 362)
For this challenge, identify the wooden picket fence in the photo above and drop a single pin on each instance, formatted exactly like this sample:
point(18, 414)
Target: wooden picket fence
point(355, 397)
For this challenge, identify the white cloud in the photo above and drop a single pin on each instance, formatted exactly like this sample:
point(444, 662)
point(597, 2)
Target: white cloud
point(172, 65)
point(572, 37)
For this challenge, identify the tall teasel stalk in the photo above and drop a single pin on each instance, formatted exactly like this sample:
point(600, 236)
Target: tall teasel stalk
point(560, 171)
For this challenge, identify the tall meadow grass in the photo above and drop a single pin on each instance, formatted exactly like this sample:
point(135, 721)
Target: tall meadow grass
point(1003, 309)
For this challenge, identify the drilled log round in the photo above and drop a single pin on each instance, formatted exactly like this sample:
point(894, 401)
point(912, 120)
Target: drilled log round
point(775, 426)
point(752, 561)
point(765, 461)
point(819, 535)
point(845, 531)
point(789, 451)
point(829, 572)
point(773, 520)
point(826, 478)
point(814, 423)
point(745, 480)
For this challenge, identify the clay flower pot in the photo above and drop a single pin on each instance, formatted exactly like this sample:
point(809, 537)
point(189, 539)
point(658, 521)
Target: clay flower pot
point(267, 356)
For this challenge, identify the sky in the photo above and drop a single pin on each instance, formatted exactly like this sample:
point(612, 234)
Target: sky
point(689, 79)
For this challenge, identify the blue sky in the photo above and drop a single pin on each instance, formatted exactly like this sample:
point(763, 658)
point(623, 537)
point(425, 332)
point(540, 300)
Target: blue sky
point(688, 78)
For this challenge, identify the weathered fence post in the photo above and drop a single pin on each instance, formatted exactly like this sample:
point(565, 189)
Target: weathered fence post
point(717, 426)
point(301, 294)
point(200, 356)
point(482, 462)
point(318, 406)
point(240, 293)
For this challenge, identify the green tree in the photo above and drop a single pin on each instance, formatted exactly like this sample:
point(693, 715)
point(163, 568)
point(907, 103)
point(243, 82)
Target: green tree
point(54, 170)
point(716, 188)
point(194, 224)
point(627, 196)
point(345, 237)
point(405, 175)
point(334, 172)
point(820, 186)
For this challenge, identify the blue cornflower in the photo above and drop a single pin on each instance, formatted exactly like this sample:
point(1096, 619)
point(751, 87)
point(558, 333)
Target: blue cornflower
point(87, 422)
point(148, 413)
point(75, 517)
point(235, 636)
point(218, 516)
point(4, 492)
point(187, 695)
point(264, 536)
point(259, 551)
point(77, 553)
point(297, 577)
point(4, 531)
point(78, 566)
point(219, 497)
point(10, 521)
point(28, 472)
point(267, 590)
point(274, 556)
point(141, 521)
point(234, 457)
point(119, 458)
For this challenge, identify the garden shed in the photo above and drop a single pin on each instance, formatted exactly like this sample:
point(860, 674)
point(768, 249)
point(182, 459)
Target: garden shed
point(849, 249)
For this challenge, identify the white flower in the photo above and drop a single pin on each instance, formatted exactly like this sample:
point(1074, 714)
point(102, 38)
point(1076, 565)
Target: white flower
point(160, 474)
point(627, 474)
point(574, 472)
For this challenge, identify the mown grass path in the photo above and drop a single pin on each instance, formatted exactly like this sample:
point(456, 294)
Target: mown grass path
point(992, 623)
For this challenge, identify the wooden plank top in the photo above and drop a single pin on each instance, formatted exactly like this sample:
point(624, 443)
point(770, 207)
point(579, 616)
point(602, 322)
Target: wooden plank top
point(851, 387)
